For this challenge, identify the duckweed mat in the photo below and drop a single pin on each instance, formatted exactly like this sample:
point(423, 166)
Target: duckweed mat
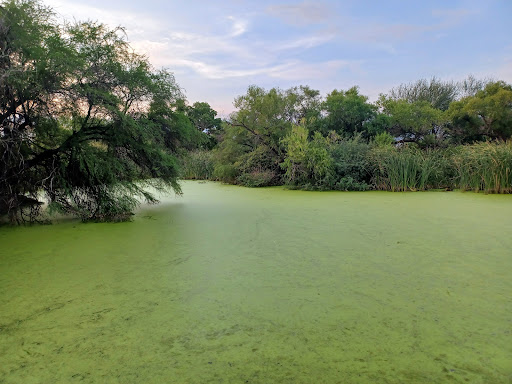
point(236, 285)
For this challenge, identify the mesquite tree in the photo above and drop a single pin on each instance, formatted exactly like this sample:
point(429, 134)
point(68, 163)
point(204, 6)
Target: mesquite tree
point(84, 121)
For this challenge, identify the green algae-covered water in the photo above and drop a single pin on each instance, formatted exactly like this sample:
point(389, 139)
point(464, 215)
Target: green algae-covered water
point(235, 285)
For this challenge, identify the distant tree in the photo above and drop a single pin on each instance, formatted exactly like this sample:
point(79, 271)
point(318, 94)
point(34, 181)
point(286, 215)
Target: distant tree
point(409, 102)
point(307, 106)
point(82, 117)
point(486, 115)
point(204, 119)
point(251, 148)
point(265, 116)
point(471, 85)
point(413, 121)
point(439, 94)
point(347, 112)
point(381, 123)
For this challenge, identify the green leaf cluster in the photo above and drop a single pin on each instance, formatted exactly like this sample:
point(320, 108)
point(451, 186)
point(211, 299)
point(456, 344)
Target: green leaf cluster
point(84, 120)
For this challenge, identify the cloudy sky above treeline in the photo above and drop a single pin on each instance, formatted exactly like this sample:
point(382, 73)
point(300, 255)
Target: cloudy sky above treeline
point(216, 49)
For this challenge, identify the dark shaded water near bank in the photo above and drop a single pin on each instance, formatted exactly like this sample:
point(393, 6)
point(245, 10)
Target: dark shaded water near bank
point(235, 285)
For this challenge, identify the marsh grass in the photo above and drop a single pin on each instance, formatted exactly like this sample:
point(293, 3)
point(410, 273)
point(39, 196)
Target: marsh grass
point(197, 165)
point(484, 167)
point(408, 168)
point(478, 167)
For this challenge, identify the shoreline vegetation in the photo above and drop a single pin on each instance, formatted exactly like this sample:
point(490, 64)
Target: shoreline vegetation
point(355, 165)
point(94, 126)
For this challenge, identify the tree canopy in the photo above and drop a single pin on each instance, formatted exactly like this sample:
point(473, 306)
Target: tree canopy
point(412, 121)
point(205, 120)
point(83, 118)
point(348, 112)
point(487, 114)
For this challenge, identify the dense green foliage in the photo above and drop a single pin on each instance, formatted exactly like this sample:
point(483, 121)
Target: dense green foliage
point(348, 112)
point(84, 120)
point(408, 140)
point(487, 114)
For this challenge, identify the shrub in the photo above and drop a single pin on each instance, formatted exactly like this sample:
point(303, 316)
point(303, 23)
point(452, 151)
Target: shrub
point(226, 173)
point(261, 158)
point(351, 164)
point(349, 184)
point(307, 161)
point(262, 178)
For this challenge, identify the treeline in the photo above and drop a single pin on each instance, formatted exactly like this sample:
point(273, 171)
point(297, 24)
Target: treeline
point(429, 134)
point(86, 124)
point(89, 127)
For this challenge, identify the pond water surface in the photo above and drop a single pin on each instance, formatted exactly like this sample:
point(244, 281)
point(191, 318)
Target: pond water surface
point(236, 285)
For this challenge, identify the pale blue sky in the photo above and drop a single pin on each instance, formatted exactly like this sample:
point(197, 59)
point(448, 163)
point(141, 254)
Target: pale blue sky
point(216, 49)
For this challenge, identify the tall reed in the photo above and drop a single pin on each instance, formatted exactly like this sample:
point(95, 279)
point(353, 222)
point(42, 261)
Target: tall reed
point(484, 167)
point(408, 168)
point(197, 165)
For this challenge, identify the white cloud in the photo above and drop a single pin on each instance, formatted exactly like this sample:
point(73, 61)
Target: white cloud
point(239, 26)
point(289, 70)
point(304, 42)
point(299, 71)
point(212, 71)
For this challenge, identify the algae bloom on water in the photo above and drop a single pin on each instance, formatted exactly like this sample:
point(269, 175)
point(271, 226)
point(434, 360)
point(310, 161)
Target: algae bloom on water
point(235, 285)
